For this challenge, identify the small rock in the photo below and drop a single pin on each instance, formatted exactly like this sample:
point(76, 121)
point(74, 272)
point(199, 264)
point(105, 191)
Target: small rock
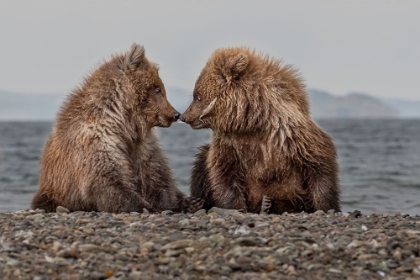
point(244, 260)
point(122, 257)
point(184, 222)
point(37, 217)
point(291, 270)
point(397, 254)
point(16, 273)
point(356, 214)
point(144, 251)
point(68, 253)
point(242, 230)
point(56, 246)
point(177, 235)
point(173, 253)
point(91, 248)
point(217, 237)
point(270, 267)
point(224, 212)
point(319, 213)
point(167, 213)
point(200, 213)
point(148, 245)
point(247, 221)
point(217, 221)
point(246, 242)
point(356, 244)
point(62, 210)
point(416, 271)
point(189, 250)
point(179, 244)
point(135, 275)
point(261, 225)
point(404, 269)
point(225, 270)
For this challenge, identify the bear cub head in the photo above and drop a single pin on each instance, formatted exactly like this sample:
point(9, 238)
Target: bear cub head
point(139, 94)
point(242, 92)
point(214, 92)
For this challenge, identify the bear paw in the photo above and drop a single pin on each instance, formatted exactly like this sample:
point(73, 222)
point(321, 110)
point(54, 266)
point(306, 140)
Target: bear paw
point(265, 205)
point(192, 204)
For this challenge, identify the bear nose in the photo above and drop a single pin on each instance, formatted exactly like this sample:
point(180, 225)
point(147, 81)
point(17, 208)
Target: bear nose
point(177, 114)
point(182, 118)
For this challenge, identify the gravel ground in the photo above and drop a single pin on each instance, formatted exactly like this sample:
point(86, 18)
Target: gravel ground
point(220, 244)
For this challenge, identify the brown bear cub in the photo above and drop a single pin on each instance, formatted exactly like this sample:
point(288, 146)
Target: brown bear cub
point(266, 154)
point(103, 154)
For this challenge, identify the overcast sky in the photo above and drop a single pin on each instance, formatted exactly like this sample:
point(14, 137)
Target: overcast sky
point(340, 46)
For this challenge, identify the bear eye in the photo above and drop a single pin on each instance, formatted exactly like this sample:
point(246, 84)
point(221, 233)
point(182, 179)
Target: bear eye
point(157, 90)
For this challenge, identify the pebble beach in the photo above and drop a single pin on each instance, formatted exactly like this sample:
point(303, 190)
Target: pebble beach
point(218, 244)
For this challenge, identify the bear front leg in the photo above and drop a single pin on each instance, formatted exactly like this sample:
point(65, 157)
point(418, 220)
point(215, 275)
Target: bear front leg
point(114, 188)
point(200, 183)
point(227, 183)
point(225, 189)
point(117, 199)
point(43, 201)
point(163, 193)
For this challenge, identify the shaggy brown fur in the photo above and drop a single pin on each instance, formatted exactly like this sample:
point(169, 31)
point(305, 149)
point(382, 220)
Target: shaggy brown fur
point(264, 143)
point(103, 154)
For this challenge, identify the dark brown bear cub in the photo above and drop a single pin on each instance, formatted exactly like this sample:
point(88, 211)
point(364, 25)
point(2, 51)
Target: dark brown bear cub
point(103, 154)
point(266, 153)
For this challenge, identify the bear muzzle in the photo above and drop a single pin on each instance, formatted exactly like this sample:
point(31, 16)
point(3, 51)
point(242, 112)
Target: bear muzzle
point(195, 123)
point(181, 118)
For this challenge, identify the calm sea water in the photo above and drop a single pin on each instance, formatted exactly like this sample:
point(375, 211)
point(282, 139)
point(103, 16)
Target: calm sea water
point(379, 161)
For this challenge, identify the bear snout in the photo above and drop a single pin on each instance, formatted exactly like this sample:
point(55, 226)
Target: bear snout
point(181, 118)
point(177, 115)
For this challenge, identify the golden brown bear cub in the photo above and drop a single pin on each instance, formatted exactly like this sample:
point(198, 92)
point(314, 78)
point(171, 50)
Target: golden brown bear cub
point(103, 154)
point(266, 154)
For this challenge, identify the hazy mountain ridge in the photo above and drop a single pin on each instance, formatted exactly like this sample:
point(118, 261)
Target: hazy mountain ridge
point(405, 108)
point(352, 105)
point(26, 107)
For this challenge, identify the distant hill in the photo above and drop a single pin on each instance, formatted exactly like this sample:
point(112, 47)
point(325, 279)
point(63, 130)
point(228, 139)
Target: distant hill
point(24, 107)
point(352, 105)
point(405, 108)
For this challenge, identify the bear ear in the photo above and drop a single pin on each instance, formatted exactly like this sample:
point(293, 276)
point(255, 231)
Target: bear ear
point(238, 64)
point(134, 58)
point(234, 67)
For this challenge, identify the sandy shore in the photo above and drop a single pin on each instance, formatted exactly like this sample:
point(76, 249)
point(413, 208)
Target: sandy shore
point(221, 244)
